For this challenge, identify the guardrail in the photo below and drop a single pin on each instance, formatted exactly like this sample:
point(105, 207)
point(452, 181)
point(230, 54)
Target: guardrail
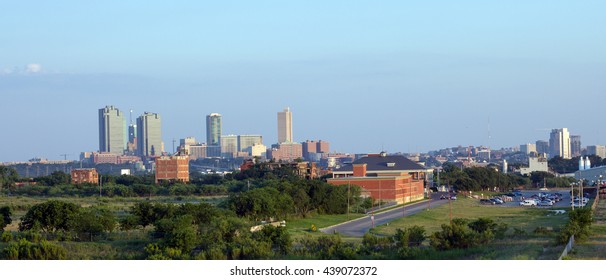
point(568, 248)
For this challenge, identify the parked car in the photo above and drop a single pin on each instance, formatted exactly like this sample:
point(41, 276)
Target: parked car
point(453, 197)
point(528, 202)
point(546, 202)
point(487, 201)
point(496, 201)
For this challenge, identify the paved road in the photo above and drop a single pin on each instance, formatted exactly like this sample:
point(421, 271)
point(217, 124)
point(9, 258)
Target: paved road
point(359, 227)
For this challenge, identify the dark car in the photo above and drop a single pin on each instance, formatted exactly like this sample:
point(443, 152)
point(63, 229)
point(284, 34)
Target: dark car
point(487, 201)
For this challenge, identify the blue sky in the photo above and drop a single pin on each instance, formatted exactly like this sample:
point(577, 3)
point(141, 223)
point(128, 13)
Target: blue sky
point(406, 76)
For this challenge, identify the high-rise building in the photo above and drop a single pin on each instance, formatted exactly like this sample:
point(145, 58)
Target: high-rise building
point(285, 126)
point(112, 131)
point(149, 131)
point(213, 129)
point(575, 145)
point(323, 147)
point(229, 146)
point(597, 150)
point(528, 148)
point(313, 150)
point(559, 143)
point(542, 147)
point(247, 141)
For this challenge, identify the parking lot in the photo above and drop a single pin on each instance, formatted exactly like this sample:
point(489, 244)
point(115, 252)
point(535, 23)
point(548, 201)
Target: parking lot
point(528, 194)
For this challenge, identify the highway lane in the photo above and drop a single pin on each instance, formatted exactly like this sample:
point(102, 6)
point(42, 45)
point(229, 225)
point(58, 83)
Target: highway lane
point(359, 227)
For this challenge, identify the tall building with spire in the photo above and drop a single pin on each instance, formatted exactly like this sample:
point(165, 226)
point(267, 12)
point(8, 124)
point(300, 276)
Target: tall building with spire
point(112, 131)
point(285, 126)
point(559, 143)
point(132, 136)
point(149, 132)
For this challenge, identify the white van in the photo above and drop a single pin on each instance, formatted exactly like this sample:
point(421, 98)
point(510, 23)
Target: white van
point(528, 202)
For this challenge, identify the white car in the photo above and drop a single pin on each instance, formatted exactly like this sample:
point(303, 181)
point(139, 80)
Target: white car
point(528, 202)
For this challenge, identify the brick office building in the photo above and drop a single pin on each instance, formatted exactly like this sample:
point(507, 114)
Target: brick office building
point(385, 178)
point(85, 175)
point(172, 168)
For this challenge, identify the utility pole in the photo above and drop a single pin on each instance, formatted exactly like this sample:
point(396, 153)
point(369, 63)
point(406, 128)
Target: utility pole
point(348, 190)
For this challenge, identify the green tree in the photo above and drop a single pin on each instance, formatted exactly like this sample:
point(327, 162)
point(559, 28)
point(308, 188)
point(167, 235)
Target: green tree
point(50, 216)
point(278, 237)
point(456, 235)
point(178, 233)
point(410, 237)
point(56, 178)
point(5, 217)
point(92, 222)
point(8, 177)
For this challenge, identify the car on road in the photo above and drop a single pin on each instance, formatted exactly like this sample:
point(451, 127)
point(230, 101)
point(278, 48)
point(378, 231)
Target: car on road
point(498, 200)
point(528, 202)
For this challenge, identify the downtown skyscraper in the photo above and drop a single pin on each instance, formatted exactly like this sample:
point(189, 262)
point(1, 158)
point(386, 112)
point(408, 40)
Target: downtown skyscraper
point(285, 126)
point(149, 135)
point(559, 143)
point(112, 131)
point(213, 129)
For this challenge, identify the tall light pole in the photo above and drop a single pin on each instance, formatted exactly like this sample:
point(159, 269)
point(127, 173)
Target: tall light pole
point(572, 196)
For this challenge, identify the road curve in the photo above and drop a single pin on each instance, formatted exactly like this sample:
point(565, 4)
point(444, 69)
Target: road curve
point(358, 227)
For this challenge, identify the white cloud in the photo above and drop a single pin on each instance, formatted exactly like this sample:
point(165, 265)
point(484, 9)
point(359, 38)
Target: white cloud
point(33, 68)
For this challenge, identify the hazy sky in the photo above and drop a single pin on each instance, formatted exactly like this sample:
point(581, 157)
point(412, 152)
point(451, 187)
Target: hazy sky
point(404, 76)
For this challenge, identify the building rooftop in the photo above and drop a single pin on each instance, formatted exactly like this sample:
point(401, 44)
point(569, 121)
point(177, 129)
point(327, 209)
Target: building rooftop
point(384, 162)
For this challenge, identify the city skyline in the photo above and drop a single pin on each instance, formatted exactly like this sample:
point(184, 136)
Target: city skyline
point(398, 76)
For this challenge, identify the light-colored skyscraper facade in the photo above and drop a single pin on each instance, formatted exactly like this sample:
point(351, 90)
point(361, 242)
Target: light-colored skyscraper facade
point(559, 143)
point(213, 129)
point(285, 126)
point(149, 132)
point(112, 131)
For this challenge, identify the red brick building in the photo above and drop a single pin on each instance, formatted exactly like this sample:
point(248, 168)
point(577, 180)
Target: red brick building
point(172, 168)
point(384, 178)
point(285, 152)
point(87, 175)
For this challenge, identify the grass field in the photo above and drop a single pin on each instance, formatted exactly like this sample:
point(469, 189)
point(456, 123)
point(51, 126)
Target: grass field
point(525, 245)
point(595, 247)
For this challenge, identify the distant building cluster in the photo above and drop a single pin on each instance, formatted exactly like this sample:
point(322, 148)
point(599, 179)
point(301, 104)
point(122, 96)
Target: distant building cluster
point(138, 147)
